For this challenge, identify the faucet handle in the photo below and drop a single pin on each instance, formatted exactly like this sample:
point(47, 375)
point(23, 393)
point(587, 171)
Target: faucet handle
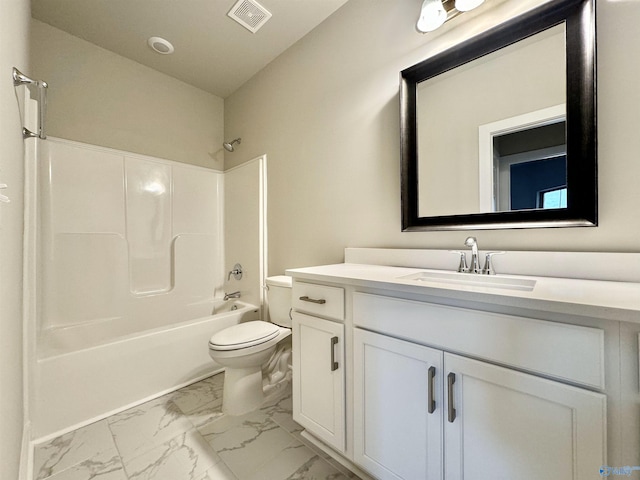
point(236, 272)
point(488, 265)
point(462, 268)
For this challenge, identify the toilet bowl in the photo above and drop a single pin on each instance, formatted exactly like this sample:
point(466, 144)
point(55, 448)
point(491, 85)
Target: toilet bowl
point(245, 348)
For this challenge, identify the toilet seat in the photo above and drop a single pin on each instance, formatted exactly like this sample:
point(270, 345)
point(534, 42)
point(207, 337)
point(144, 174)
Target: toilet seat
point(244, 335)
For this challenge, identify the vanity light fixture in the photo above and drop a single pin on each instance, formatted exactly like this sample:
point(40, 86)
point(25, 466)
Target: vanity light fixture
point(466, 5)
point(435, 12)
point(432, 16)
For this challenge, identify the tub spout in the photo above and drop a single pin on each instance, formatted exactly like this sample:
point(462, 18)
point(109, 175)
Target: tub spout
point(227, 296)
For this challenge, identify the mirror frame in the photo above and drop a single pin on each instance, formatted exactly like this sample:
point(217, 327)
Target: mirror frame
point(582, 197)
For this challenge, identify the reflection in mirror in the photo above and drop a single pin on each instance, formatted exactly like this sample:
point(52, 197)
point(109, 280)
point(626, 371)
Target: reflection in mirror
point(533, 177)
point(523, 160)
point(500, 130)
point(512, 82)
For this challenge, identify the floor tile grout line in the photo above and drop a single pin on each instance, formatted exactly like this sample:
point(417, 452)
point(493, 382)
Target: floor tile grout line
point(272, 409)
point(115, 445)
point(267, 461)
point(334, 464)
point(166, 411)
point(73, 433)
point(75, 465)
point(317, 453)
point(152, 445)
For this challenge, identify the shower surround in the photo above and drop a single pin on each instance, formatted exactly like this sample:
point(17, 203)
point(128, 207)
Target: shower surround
point(125, 281)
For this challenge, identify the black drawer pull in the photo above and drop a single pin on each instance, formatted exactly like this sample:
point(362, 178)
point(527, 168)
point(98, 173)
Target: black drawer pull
point(321, 301)
point(451, 379)
point(334, 364)
point(431, 403)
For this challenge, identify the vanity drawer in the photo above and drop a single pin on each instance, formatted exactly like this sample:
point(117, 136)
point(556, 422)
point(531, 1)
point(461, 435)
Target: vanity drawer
point(567, 352)
point(319, 300)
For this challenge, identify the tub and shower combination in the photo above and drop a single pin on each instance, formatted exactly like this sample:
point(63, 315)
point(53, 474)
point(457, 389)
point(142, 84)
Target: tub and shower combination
point(126, 278)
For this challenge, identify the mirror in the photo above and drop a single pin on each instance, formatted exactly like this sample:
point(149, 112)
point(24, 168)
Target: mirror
point(500, 131)
point(523, 161)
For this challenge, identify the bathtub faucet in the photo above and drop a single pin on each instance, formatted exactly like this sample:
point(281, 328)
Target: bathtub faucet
point(236, 272)
point(227, 296)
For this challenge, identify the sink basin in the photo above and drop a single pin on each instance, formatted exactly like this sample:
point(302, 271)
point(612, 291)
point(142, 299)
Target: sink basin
point(474, 280)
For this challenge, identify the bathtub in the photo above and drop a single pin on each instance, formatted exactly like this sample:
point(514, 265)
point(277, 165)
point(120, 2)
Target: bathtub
point(148, 318)
point(77, 386)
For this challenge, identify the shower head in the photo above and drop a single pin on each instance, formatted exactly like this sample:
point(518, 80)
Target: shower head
point(228, 146)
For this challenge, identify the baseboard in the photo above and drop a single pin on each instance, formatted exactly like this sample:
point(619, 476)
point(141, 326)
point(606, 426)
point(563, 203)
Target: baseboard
point(344, 462)
point(26, 454)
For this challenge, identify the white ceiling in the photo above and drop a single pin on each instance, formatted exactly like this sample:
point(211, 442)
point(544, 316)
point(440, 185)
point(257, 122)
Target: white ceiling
point(212, 51)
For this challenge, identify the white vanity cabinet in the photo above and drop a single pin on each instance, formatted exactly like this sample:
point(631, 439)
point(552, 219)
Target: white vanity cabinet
point(424, 413)
point(398, 404)
point(318, 362)
point(538, 375)
point(509, 424)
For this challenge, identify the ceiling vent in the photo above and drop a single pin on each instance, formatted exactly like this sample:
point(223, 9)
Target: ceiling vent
point(250, 14)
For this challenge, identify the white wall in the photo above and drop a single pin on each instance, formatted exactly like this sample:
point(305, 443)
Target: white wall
point(244, 228)
point(14, 22)
point(101, 98)
point(326, 113)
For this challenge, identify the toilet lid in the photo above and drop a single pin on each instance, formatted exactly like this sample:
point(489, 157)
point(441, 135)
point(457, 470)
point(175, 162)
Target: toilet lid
point(244, 335)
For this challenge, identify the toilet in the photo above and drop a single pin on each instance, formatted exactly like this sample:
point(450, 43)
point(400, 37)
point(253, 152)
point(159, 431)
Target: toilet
point(245, 348)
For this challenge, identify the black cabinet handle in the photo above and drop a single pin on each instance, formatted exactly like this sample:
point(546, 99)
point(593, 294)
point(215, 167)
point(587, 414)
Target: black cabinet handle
point(321, 301)
point(451, 379)
point(431, 374)
point(334, 364)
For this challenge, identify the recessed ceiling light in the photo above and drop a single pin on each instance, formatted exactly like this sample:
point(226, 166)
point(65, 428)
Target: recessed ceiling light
point(160, 45)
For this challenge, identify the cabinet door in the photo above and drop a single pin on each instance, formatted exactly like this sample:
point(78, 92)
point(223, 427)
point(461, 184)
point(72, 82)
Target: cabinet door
point(318, 378)
point(398, 405)
point(506, 424)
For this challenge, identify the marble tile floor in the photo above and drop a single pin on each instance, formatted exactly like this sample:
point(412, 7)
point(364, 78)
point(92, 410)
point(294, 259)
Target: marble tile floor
point(185, 436)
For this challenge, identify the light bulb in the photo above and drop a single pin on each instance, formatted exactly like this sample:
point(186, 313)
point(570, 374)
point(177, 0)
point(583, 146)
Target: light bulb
point(466, 5)
point(432, 15)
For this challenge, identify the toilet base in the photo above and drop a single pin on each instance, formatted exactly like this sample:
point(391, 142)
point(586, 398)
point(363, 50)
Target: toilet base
point(243, 384)
point(242, 391)
point(277, 372)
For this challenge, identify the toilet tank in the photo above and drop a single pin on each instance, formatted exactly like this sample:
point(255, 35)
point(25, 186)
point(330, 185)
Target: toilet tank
point(279, 297)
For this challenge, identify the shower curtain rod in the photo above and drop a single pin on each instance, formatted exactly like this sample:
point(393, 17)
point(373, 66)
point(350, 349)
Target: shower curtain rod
point(19, 79)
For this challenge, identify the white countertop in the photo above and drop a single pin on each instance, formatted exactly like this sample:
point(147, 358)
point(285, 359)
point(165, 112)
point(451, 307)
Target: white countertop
point(591, 298)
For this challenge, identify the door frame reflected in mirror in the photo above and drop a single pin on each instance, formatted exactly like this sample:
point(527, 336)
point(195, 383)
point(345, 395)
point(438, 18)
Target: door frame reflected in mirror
point(488, 173)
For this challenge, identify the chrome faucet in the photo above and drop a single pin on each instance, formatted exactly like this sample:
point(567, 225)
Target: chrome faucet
point(236, 272)
point(488, 264)
point(474, 267)
point(227, 296)
point(462, 268)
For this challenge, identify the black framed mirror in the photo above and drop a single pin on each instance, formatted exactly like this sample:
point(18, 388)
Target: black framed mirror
point(451, 154)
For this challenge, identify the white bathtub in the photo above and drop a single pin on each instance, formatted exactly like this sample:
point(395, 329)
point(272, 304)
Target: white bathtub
point(141, 318)
point(83, 385)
